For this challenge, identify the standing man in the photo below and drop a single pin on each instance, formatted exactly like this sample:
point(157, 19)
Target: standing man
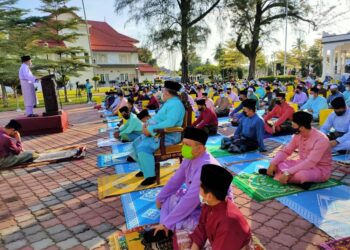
point(27, 84)
point(88, 87)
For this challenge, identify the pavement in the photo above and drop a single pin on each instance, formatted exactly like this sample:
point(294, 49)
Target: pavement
point(56, 206)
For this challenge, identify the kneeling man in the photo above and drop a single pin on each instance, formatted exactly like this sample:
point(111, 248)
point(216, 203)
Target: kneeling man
point(315, 158)
point(11, 151)
point(179, 204)
point(131, 129)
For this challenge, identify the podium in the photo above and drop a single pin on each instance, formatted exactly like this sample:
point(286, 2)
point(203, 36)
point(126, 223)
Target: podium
point(49, 88)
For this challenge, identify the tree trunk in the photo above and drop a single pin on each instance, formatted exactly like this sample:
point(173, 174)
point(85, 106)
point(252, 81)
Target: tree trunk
point(252, 66)
point(184, 39)
point(65, 93)
point(4, 96)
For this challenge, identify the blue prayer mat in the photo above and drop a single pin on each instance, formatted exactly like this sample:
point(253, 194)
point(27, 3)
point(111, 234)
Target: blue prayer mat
point(214, 140)
point(107, 142)
point(223, 120)
point(126, 168)
point(284, 139)
point(328, 209)
point(121, 148)
point(114, 118)
point(111, 159)
point(140, 207)
point(342, 158)
point(245, 167)
point(112, 125)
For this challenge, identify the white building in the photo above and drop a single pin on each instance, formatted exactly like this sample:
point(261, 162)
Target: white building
point(336, 55)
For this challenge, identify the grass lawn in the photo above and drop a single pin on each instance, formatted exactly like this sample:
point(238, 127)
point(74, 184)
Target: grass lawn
point(72, 99)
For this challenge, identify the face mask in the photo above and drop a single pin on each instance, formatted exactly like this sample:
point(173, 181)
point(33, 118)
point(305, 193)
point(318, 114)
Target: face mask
point(278, 102)
point(228, 92)
point(297, 91)
point(162, 97)
point(274, 96)
point(200, 109)
point(333, 92)
point(340, 113)
point(222, 95)
point(186, 152)
point(296, 131)
point(244, 113)
point(311, 97)
point(201, 199)
point(240, 98)
point(126, 117)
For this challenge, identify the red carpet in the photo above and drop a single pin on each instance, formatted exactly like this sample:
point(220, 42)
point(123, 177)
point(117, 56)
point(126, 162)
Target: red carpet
point(43, 124)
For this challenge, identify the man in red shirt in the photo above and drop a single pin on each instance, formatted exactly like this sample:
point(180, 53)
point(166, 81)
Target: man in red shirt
point(220, 222)
point(153, 102)
point(207, 119)
point(11, 151)
point(284, 112)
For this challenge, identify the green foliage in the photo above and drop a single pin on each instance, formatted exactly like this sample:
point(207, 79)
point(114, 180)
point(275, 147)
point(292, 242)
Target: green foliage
point(96, 78)
point(282, 78)
point(147, 82)
point(145, 55)
point(207, 69)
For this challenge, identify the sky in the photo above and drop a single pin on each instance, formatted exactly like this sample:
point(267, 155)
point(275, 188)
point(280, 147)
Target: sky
point(103, 10)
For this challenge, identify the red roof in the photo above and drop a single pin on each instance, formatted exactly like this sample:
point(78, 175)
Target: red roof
point(104, 38)
point(146, 68)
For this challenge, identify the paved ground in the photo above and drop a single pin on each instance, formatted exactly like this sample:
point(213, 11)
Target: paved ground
point(57, 207)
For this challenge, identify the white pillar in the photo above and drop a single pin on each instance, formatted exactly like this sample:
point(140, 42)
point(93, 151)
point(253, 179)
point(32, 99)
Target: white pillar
point(324, 63)
point(331, 62)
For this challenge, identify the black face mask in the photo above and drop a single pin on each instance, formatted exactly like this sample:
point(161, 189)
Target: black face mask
point(340, 113)
point(200, 109)
point(333, 92)
point(228, 92)
point(240, 98)
point(126, 117)
point(297, 91)
point(278, 102)
point(296, 131)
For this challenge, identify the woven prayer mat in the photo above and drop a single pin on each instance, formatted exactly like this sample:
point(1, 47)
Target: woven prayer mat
point(328, 209)
point(140, 207)
point(342, 244)
point(262, 187)
point(248, 167)
point(284, 139)
point(117, 184)
point(112, 159)
point(133, 240)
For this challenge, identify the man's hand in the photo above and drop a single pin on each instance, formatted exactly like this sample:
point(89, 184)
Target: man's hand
point(273, 128)
point(333, 143)
point(145, 131)
point(160, 227)
point(271, 170)
point(116, 135)
point(158, 204)
point(17, 136)
point(283, 179)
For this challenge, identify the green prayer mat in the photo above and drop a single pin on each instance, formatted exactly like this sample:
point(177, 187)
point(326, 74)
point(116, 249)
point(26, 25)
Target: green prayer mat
point(262, 187)
point(217, 152)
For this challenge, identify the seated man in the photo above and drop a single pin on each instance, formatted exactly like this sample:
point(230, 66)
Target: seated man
point(220, 221)
point(249, 135)
point(334, 94)
point(207, 119)
point(131, 106)
point(153, 102)
point(11, 151)
point(251, 95)
point(267, 98)
point(300, 97)
point(131, 129)
point(232, 95)
point(222, 105)
point(315, 104)
point(180, 206)
point(171, 114)
point(315, 158)
point(144, 116)
point(346, 94)
point(284, 112)
point(339, 121)
point(209, 102)
point(236, 115)
point(121, 103)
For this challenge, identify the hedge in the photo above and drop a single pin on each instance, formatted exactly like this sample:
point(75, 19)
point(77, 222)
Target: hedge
point(281, 78)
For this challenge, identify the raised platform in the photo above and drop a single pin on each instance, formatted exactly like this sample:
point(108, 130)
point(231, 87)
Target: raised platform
point(43, 124)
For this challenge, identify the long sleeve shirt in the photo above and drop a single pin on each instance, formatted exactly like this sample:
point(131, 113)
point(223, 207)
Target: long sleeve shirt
point(346, 95)
point(206, 118)
point(210, 104)
point(316, 104)
point(256, 98)
point(233, 97)
point(332, 97)
point(25, 74)
point(8, 145)
point(189, 174)
point(171, 114)
point(122, 102)
point(223, 225)
point(284, 112)
point(133, 124)
point(300, 98)
point(314, 152)
point(236, 110)
point(340, 124)
point(153, 102)
point(222, 103)
point(252, 128)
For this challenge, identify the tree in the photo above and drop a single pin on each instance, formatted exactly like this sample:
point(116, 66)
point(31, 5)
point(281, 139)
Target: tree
point(145, 55)
point(175, 23)
point(314, 57)
point(207, 69)
point(67, 60)
point(194, 61)
point(96, 79)
point(254, 20)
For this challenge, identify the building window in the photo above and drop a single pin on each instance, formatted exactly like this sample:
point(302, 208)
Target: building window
point(102, 58)
point(126, 77)
point(123, 59)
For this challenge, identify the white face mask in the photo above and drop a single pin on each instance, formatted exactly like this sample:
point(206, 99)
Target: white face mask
point(201, 199)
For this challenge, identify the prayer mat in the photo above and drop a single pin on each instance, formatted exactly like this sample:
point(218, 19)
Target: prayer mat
point(328, 209)
point(106, 142)
point(250, 167)
point(117, 184)
point(216, 151)
point(262, 187)
point(140, 207)
point(342, 158)
point(121, 148)
point(57, 155)
point(104, 130)
point(133, 240)
point(214, 140)
point(285, 139)
point(342, 244)
point(112, 125)
point(224, 121)
point(114, 118)
point(132, 167)
point(111, 159)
